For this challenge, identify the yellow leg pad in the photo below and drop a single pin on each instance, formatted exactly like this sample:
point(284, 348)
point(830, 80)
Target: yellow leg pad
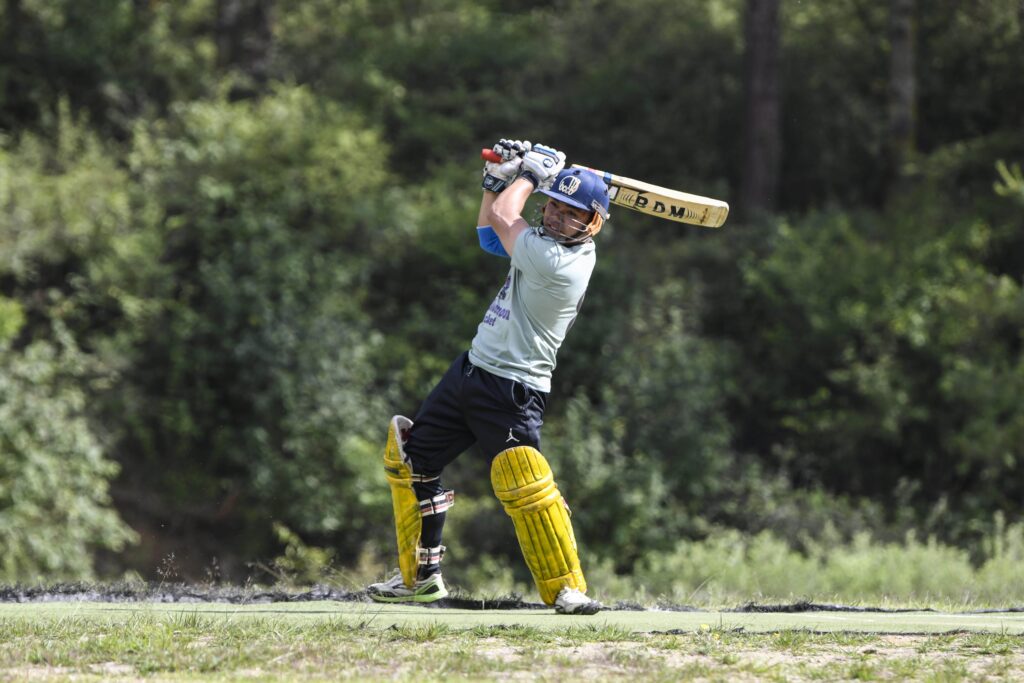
point(525, 485)
point(408, 522)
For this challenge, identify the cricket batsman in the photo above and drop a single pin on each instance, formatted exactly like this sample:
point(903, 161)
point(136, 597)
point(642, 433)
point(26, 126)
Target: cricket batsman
point(495, 393)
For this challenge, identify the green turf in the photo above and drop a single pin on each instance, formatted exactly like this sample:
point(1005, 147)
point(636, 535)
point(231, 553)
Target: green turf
point(328, 641)
point(385, 616)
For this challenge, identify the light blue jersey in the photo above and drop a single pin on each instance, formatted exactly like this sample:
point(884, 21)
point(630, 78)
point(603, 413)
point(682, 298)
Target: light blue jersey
point(528, 320)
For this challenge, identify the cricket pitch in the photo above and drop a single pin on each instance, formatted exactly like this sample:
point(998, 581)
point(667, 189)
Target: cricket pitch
point(372, 615)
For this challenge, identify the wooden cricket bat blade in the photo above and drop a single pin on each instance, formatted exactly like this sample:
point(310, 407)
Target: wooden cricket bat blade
point(654, 200)
point(662, 202)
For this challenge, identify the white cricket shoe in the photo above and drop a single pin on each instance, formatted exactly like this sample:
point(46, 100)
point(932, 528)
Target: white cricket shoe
point(394, 589)
point(572, 601)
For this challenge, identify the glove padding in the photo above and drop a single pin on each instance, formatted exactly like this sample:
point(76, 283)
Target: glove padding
point(541, 165)
point(498, 175)
point(510, 149)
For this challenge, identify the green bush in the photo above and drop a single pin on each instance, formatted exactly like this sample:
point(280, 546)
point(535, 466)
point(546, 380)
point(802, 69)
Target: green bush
point(730, 567)
point(75, 246)
point(725, 565)
point(69, 249)
point(913, 571)
point(884, 362)
point(643, 457)
point(55, 510)
point(12, 317)
point(999, 577)
point(255, 376)
point(1011, 181)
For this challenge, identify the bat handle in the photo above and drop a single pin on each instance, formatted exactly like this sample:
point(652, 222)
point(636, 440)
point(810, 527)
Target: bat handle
point(488, 154)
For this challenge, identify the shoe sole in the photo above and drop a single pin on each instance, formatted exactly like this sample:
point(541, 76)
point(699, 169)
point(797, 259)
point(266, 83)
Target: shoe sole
point(429, 597)
point(588, 609)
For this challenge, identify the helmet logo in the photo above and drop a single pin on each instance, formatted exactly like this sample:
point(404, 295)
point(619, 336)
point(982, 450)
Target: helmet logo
point(569, 185)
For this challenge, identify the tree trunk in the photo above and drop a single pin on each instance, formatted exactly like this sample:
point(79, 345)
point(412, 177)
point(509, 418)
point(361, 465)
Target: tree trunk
point(900, 143)
point(762, 145)
point(244, 37)
point(12, 19)
point(14, 102)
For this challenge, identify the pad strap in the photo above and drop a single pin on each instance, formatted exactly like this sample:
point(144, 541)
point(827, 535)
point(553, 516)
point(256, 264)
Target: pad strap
point(431, 555)
point(438, 504)
point(493, 183)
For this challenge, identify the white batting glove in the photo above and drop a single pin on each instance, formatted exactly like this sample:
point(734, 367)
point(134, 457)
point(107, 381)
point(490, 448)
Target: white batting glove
point(498, 175)
point(510, 149)
point(541, 164)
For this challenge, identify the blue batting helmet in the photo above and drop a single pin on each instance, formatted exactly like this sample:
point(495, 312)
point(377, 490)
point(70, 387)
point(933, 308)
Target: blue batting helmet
point(581, 188)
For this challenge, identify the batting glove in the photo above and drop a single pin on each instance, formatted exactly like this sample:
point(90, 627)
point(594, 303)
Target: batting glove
point(498, 175)
point(540, 166)
point(510, 149)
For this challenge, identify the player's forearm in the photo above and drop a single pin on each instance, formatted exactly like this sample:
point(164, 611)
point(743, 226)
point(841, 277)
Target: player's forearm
point(484, 217)
point(507, 213)
point(507, 207)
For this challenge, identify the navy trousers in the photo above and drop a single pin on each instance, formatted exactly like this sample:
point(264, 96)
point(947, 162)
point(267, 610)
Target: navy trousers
point(469, 405)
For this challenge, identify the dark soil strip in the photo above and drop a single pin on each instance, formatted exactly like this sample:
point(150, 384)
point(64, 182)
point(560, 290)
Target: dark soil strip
point(186, 593)
point(179, 592)
point(164, 592)
point(805, 606)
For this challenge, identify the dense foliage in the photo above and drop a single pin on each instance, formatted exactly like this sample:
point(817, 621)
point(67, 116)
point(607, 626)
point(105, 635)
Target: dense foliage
point(230, 251)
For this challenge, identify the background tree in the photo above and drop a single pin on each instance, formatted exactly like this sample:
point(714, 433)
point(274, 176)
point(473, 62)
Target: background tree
point(900, 145)
point(244, 37)
point(762, 133)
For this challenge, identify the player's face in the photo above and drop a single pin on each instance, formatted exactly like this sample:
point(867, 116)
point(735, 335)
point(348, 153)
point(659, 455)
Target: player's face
point(562, 220)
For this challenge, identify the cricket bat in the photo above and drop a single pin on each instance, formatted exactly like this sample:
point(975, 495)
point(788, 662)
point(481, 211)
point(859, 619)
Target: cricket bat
point(654, 200)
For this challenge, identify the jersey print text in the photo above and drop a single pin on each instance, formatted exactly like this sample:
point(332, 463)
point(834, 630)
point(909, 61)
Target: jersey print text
point(496, 311)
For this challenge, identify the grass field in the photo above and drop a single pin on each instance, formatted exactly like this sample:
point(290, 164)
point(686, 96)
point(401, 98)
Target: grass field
point(331, 640)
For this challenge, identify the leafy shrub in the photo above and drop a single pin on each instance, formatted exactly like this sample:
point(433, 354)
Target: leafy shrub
point(54, 475)
point(300, 564)
point(884, 363)
point(642, 457)
point(258, 396)
point(1011, 181)
point(725, 565)
point(12, 317)
point(728, 566)
point(68, 248)
point(912, 571)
